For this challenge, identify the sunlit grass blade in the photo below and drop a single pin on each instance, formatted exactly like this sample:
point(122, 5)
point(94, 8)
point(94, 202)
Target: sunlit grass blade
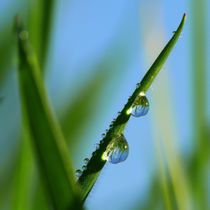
point(44, 130)
point(96, 163)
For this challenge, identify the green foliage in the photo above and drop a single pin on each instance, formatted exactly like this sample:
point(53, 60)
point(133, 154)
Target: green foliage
point(44, 130)
point(40, 174)
point(96, 163)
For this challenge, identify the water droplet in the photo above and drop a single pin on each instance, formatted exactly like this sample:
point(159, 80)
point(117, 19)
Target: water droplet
point(84, 168)
point(97, 146)
point(86, 160)
point(117, 150)
point(102, 141)
point(78, 172)
point(103, 134)
point(94, 153)
point(140, 106)
point(137, 85)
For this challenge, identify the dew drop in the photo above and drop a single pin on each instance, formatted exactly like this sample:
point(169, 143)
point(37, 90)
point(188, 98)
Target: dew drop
point(86, 160)
point(117, 150)
point(140, 106)
point(84, 168)
point(94, 153)
point(102, 141)
point(97, 146)
point(78, 172)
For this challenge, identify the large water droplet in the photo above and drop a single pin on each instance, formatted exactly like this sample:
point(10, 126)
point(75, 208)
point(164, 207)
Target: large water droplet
point(78, 172)
point(140, 106)
point(117, 150)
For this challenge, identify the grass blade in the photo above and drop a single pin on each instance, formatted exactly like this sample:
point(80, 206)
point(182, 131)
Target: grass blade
point(49, 143)
point(39, 18)
point(6, 50)
point(201, 155)
point(40, 24)
point(96, 163)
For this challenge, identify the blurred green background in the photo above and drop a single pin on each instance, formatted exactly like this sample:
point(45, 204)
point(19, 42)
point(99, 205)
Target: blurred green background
point(92, 54)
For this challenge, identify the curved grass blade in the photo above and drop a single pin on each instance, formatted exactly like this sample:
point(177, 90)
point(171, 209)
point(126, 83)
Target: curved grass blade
point(96, 163)
point(73, 123)
point(49, 143)
point(40, 15)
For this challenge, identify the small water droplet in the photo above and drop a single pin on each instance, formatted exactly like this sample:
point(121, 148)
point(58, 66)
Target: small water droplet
point(97, 146)
point(103, 134)
point(94, 153)
point(137, 85)
point(111, 125)
point(102, 141)
point(84, 168)
point(140, 106)
point(86, 160)
point(117, 150)
point(78, 172)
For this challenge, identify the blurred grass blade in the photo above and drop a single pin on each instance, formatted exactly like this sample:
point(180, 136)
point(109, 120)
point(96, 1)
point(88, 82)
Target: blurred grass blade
point(201, 156)
point(46, 135)
point(23, 175)
point(72, 122)
point(6, 50)
point(96, 163)
point(40, 24)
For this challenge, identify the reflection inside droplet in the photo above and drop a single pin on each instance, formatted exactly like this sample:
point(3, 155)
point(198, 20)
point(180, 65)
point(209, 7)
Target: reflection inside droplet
point(117, 150)
point(140, 106)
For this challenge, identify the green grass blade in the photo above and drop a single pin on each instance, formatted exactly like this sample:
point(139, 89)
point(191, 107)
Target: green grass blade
point(40, 17)
point(96, 163)
point(201, 156)
point(73, 123)
point(6, 50)
point(49, 143)
point(40, 24)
